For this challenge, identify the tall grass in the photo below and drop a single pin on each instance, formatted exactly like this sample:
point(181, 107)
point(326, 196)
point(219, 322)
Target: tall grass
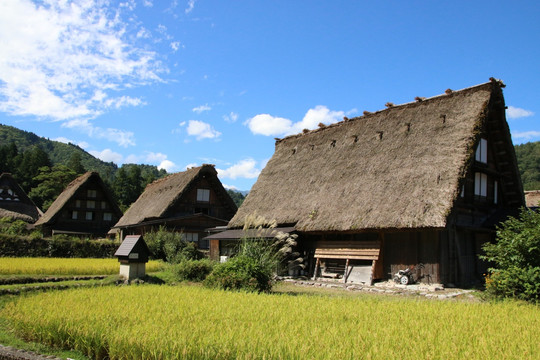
point(160, 322)
point(65, 266)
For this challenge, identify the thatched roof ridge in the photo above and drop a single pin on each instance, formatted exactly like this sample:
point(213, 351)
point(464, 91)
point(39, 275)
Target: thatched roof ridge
point(22, 209)
point(162, 194)
point(54, 210)
point(397, 168)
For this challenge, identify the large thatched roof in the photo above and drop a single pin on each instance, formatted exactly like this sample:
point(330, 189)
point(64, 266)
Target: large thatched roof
point(162, 195)
point(396, 168)
point(14, 202)
point(54, 210)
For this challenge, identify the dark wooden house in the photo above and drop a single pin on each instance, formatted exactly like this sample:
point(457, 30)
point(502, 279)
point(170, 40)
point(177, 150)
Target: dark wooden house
point(86, 207)
point(423, 182)
point(14, 203)
point(189, 202)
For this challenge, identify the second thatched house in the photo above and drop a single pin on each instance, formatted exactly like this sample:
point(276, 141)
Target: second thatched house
point(423, 182)
point(14, 203)
point(86, 208)
point(189, 202)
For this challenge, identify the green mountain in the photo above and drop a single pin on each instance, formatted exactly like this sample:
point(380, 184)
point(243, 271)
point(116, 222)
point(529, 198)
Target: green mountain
point(58, 152)
point(528, 158)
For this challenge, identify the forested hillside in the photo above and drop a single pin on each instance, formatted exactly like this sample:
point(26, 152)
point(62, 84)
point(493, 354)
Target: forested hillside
point(58, 152)
point(44, 167)
point(528, 158)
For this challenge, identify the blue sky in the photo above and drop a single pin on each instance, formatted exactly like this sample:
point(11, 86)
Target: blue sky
point(186, 82)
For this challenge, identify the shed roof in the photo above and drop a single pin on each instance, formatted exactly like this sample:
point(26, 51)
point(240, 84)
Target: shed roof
point(129, 244)
point(396, 168)
point(162, 194)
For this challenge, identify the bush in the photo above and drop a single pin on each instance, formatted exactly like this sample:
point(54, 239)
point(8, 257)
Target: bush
point(516, 258)
point(240, 273)
point(514, 282)
point(170, 246)
point(193, 270)
point(58, 246)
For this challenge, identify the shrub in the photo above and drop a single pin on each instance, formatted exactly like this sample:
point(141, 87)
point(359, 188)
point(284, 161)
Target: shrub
point(193, 270)
point(240, 273)
point(516, 258)
point(170, 246)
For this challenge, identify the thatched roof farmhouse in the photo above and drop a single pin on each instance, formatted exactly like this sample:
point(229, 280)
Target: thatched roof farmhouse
point(14, 202)
point(422, 182)
point(86, 207)
point(190, 201)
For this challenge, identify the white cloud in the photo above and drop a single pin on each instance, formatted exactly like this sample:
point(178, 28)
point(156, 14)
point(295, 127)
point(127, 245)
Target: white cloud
point(57, 54)
point(153, 157)
point(148, 3)
point(202, 108)
point(121, 137)
point(108, 155)
point(232, 117)
point(515, 112)
point(81, 144)
point(243, 169)
point(202, 130)
point(168, 165)
point(265, 124)
point(191, 5)
point(123, 101)
point(229, 187)
point(526, 135)
point(175, 45)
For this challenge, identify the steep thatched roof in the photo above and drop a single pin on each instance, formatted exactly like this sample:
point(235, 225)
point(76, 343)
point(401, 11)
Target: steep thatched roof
point(396, 168)
point(162, 194)
point(14, 202)
point(54, 210)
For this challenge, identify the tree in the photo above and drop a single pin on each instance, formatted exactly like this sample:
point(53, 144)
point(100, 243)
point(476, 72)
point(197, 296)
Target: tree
point(51, 183)
point(75, 164)
point(516, 258)
point(29, 165)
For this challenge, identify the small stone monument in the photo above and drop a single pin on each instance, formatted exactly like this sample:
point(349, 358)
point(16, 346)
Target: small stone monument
point(133, 255)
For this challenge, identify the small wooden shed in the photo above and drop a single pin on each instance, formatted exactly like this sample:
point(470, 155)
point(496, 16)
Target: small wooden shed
point(133, 255)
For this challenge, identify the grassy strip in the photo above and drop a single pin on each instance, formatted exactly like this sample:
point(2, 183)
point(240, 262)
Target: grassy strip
point(56, 285)
point(197, 323)
point(65, 266)
point(8, 338)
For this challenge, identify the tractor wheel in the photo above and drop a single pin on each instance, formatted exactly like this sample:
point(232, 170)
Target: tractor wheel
point(404, 280)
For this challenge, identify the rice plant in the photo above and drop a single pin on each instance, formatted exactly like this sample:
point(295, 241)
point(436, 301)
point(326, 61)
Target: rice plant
point(65, 266)
point(162, 322)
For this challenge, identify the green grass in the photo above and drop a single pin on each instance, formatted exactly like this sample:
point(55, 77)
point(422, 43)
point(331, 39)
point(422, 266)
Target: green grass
point(165, 322)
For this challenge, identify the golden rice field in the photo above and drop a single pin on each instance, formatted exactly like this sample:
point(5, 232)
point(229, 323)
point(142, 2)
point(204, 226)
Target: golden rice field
point(165, 322)
point(65, 266)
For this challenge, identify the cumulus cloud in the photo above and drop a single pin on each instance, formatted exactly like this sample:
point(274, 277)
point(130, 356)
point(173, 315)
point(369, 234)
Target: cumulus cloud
point(526, 135)
point(246, 168)
point(202, 108)
point(202, 130)
point(515, 112)
point(232, 117)
point(266, 124)
point(57, 54)
point(108, 155)
point(121, 137)
point(168, 165)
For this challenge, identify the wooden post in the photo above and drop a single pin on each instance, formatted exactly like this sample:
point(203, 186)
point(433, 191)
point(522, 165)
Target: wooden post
point(316, 269)
point(346, 271)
